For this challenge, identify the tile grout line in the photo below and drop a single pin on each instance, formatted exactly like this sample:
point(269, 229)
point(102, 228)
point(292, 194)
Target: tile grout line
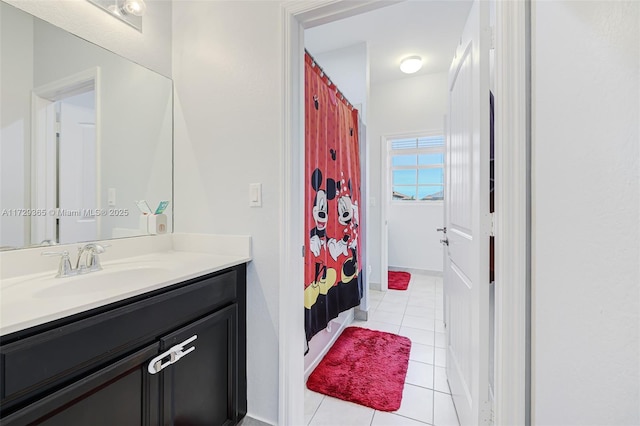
point(429, 303)
point(433, 406)
point(316, 410)
point(432, 366)
point(410, 418)
point(433, 394)
point(372, 417)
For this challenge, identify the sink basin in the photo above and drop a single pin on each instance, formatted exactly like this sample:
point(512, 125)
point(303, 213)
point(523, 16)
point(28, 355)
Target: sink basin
point(105, 281)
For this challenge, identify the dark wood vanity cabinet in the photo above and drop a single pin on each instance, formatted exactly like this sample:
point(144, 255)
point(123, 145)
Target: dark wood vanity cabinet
point(190, 394)
point(102, 368)
point(120, 394)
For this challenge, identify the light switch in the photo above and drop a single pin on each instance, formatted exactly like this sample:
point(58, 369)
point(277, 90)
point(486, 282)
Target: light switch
point(255, 195)
point(111, 197)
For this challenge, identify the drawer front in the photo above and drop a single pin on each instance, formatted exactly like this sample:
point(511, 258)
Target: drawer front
point(119, 394)
point(50, 358)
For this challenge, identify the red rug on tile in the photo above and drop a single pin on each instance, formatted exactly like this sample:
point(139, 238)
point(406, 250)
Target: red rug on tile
point(399, 280)
point(364, 366)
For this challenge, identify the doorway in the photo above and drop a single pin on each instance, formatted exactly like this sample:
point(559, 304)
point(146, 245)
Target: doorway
point(65, 146)
point(512, 36)
point(413, 198)
point(76, 165)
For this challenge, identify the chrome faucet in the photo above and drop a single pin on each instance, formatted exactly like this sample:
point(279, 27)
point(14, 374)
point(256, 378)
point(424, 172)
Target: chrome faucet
point(64, 269)
point(91, 262)
point(91, 259)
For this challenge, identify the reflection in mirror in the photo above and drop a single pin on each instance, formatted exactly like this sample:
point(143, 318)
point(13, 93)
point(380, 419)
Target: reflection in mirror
point(128, 11)
point(85, 134)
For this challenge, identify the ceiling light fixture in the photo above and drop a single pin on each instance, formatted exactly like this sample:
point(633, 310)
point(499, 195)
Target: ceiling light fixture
point(411, 64)
point(134, 7)
point(128, 11)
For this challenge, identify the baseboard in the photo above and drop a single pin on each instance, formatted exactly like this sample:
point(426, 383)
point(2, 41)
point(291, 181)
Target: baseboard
point(341, 326)
point(416, 271)
point(375, 286)
point(361, 315)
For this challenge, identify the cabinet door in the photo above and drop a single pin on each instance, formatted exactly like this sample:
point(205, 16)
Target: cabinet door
point(201, 388)
point(122, 394)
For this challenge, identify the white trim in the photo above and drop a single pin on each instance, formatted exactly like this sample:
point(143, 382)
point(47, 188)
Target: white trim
point(42, 175)
point(384, 214)
point(511, 242)
point(72, 84)
point(291, 318)
point(511, 219)
point(42, 183)
point(97, 88)
point(390, 152)
point(313, 13)
point(419, 203)
point(386, 201)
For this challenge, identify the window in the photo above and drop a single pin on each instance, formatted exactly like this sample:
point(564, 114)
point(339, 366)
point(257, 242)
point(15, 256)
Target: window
point(417, 168)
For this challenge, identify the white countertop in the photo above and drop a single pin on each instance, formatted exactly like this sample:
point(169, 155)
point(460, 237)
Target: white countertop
point(27, 300)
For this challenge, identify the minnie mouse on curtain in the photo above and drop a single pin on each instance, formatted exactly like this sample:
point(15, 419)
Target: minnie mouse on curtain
point(333, 276)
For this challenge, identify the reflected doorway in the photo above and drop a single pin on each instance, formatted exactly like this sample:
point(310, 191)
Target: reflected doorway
point(65, 151)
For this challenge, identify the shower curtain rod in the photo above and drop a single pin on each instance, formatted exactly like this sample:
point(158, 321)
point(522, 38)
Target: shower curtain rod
point(314, 63)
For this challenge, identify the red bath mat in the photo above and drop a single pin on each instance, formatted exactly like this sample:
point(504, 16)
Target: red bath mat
point(399, 280)
point(364, 366)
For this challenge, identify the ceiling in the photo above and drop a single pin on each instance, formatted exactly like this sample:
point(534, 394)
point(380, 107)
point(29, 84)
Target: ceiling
point(430, 29)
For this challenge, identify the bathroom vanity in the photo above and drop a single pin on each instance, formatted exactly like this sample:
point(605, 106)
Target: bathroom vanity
point(171, 351)
point(157, 335)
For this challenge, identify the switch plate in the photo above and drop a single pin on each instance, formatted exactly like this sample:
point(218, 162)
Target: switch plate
point(111, 197)
point(255, 195)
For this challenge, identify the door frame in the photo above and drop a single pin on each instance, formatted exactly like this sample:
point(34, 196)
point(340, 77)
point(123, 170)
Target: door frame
point(385, 200)
point(512, 404)
point(42, 175)
point(512, 228)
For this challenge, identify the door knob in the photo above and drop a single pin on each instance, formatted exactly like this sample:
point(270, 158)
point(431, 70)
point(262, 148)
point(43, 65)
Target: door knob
point(445, 241)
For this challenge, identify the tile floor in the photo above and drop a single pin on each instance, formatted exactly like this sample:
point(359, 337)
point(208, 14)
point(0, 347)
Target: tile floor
point(417, 314)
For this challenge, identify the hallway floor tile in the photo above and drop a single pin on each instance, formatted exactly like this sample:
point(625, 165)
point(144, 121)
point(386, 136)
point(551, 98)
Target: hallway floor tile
point(417, 314)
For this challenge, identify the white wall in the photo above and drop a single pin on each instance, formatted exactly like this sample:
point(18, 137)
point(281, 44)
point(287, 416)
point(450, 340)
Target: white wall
point(408, 105)
point(151, 47)
point(413, 240)
point(586, 217)
point(349, 70)
point(16, 80)
point(228, 121)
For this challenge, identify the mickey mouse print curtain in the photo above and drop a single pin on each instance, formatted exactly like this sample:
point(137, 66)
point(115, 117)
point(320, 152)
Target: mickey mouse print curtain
point(333, 275)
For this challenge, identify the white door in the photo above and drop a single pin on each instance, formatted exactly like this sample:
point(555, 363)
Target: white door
point(77, 169)
point(468, 222)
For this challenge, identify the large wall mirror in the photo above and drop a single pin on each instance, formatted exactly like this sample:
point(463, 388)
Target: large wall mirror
point(86, 134)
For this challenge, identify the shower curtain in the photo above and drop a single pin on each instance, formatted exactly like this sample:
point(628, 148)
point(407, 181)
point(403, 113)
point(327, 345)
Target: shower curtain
point(333, 275)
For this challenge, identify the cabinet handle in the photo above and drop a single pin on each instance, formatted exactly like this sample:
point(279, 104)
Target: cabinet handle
point(173, 354)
